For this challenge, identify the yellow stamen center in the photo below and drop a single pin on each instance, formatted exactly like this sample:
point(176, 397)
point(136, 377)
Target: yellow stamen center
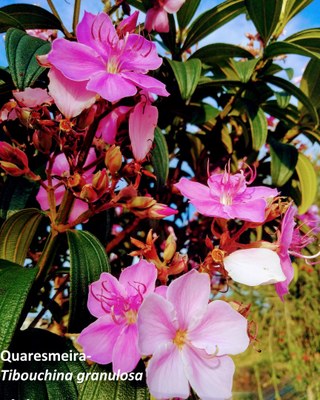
point(131, 317)
point(180, 339)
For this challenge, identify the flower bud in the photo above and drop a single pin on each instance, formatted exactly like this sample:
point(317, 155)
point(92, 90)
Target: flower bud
point(170, 248)
point(13, 160)
point(113, 159)
point(42, 141)
point(88, 193)
point(100, 181)
point(141, 202)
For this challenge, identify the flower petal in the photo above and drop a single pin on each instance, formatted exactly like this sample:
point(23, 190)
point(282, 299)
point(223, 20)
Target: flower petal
point(125, 353)
point(165, 374)
point(111, 87)
point(253, 211)
point(282, 288)
point(147, 82)
point(70, 97)
point(101, 294)
point(210, 377)
point(172, 6)
point(190, 295)
point(32, 97)
point(221, 329)
point(142, 123)
point(254, 267)
point(99, 338)
point(155, 323)
point(139, 278)
point(109, 125)
point(157, 20)
point(75, 60)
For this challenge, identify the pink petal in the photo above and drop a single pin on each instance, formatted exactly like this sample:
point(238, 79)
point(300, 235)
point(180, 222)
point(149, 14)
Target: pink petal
point(251, 211)
point(140, 277)
point(155, 323)
point(97, 32)
point(42, 196)
point(125, 353)
point(109, 125)
point(172, 6)
point(221, 329)
point(147, 82)
point(100, 293)
point(79, 207)
point(32, 97)
point(61, 166)
point(193, 190)
point(287, 228)
point(282, 288)
point(261, 192)
point(111, 87)
point(99, 338)
point(70, 97)
point(210, 377)
point(165, 374)
point(162, 291)
point(157, 20)
point(254, 267)
point(76, 61)
point(142, 123)
point(190, 295)
point(128, 24)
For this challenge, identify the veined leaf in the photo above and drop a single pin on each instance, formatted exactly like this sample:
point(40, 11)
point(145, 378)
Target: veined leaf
point(213, 19)
point(308, 182)
point(22, 50)
point(290, 88)
point(88, 260)
point(200, 113)
point(265, 16)
point(187, 75)
point(213, 53)
point(186, 12)
point(308, 38)
point(283, 99)
point(15, 284)
point(290, 114)
point(27, 16)
point(245, 69)
point(160, 158)
point(112, 390)
point(17, 233)
point(280, 48)
point(259, 127)
point(284, 158)
point(310, 82)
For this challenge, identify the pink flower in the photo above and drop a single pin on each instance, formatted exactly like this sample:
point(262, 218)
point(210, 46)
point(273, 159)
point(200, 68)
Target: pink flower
point(311, 218)
point(189, 340)
point(32, 97)
point(227, 196)
point(109, 125)
point(109, 65)
point(157, 16)
point(114, 336)
point(44, 34)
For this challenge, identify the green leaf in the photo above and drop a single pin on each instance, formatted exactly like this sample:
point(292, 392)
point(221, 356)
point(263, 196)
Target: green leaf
point(17, 233)
point(259, 127)
point(290, 114)
point(245, 69)
point(265, 16)
point(280, 48)
point(112, 390)
point(187, 75)
point(88, 260)
point(186, 12)
point(213, 19)
point(308, 182)
point(138, 4)
point(160, 158)
point(27, 16)
point(310, 82)
point(213, 53)
point(296, 92)
point(283, 99)
point(200, 113)
point(15, 284)
point(284, 158)
point(22, 50)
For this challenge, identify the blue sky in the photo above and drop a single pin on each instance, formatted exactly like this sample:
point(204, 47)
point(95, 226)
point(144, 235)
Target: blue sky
point(234, 32)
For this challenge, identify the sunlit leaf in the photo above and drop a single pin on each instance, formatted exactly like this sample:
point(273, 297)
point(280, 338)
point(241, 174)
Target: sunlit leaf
point(187, 75)
point(187, 12)
point(265, 15)
point(15, 284)
point(27, 16)
point(284, 158)
point(88, 260)
point(308, 182)
point(160, 158)
point(213, 19)
point(213, 53)
point(259, 127)
point(17, 233)
point(245, 69)
point(283, 99)
point(310, 82)
point(22, 50)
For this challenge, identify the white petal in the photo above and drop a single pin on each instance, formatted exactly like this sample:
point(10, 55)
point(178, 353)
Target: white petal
point(254, 267)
